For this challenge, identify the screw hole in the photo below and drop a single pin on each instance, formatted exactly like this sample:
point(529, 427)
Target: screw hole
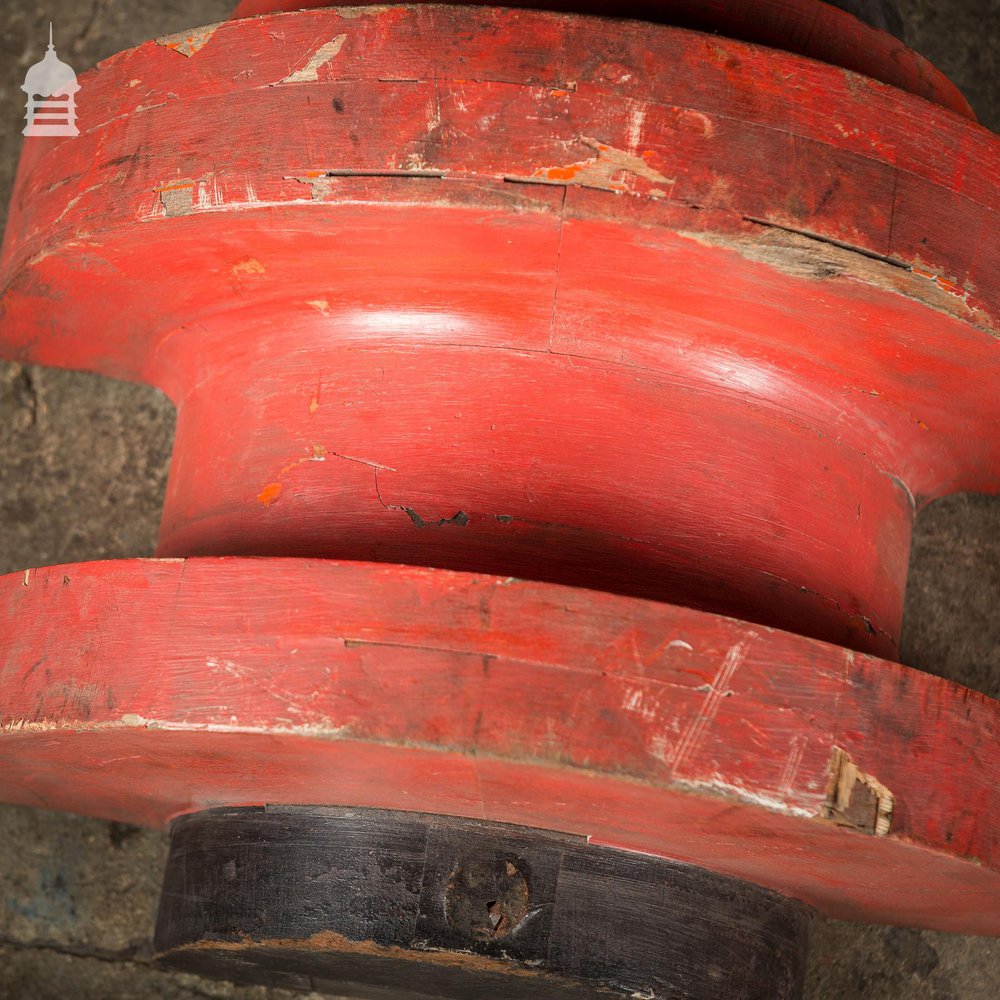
point(487, 899)
point(498, 919)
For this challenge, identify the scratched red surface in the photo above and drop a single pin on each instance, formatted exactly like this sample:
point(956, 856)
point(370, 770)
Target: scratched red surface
point(652, 727)
point(805, 27)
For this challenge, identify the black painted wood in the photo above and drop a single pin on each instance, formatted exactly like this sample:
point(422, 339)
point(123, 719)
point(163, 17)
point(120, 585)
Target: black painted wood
point(387, 904)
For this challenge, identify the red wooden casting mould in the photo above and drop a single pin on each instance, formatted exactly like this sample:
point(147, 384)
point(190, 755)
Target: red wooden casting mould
point(599, 303)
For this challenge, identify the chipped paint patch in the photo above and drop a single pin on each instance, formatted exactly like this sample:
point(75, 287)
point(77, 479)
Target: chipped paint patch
point(460, 518)
point(716, 785)
point(310, 72)
point(855, 799)
point(248, 265)
point(940, 280)
point(320, 305)
point(324, 729)
point(599, 171)
point(133, 719)
point(350, 13)
point(806, 256)
point(187, 43)
point(177, 198)
point(316, 453)
point(319, 181)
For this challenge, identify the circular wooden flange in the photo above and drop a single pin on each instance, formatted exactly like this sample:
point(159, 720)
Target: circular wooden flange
point(138, 690)
point(361, 901)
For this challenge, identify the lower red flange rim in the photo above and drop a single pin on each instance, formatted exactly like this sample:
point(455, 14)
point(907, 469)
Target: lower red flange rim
point(139, 690)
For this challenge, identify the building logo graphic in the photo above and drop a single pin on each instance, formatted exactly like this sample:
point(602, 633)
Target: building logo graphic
point(51, 88)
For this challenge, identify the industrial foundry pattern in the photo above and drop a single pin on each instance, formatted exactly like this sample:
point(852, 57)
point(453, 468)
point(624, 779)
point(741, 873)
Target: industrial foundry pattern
point(491, 332)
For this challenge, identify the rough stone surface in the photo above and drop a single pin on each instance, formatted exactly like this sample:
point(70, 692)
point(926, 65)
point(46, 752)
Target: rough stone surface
point(82, 471)
point(961, 38)
point(854, 962)
point(951, 621)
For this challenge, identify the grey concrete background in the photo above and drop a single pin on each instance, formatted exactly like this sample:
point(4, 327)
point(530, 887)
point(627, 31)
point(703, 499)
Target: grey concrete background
point(82, 471)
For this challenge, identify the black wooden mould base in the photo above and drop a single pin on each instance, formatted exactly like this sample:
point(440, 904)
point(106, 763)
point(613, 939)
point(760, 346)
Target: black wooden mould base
point(386, 904)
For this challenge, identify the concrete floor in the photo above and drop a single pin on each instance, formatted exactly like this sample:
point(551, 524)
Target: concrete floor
point(82, 470)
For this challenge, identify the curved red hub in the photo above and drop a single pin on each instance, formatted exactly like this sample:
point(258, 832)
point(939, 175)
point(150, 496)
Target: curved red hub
point(600, 304)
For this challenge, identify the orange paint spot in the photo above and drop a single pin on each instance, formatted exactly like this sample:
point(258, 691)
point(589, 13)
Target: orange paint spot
point(939, 280)
point(313, 404)
point(269, 494)
point(950, 286)
point(561, 173)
